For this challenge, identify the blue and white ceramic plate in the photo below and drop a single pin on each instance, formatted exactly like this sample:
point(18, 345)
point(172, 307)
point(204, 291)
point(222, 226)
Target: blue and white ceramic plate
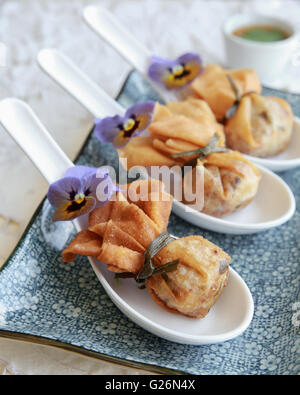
point(47, 301)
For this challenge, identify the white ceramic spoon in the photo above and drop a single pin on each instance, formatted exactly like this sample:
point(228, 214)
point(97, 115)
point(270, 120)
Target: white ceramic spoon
point(230, 316)
point(135, 53)
point(273, 205)
point(106, 25)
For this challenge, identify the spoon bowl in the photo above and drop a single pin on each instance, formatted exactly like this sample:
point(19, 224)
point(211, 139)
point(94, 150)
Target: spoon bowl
point(273, 205)
point(230, 316)
point(227, 319)
point(109, 29)
point(287, 160)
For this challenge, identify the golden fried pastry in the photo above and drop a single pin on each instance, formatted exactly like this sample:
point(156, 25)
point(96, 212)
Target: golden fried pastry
point(200, 277)
point(150, 196)
point(230, 182)
point(176, 127)
point(190, 120)
point(262, 126)
point(122, 232)
point(85, 243)
point(213, 87)
point(140, 152)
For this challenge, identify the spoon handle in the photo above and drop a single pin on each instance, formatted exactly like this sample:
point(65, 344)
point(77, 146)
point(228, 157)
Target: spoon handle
point(75, 82)
point(106, 25)
point(30, 134)
point(109, 28)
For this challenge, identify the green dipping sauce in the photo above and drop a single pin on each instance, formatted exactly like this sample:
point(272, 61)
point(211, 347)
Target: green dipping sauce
point(261, 33)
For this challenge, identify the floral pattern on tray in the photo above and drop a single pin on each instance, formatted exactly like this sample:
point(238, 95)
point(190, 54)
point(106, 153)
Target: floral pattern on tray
point(44, 297)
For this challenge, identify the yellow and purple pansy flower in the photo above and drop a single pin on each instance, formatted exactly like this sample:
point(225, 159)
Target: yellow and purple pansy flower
point(77, 193)
point(175, 74)
point(120, 130)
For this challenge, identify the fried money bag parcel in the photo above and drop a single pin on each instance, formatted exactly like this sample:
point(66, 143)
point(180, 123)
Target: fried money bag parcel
point(254, 124)
point(128, 234)
point(178, 129)
point(260, 126)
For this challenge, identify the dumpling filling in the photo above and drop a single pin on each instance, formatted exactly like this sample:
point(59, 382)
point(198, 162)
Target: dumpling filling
point(262, 126)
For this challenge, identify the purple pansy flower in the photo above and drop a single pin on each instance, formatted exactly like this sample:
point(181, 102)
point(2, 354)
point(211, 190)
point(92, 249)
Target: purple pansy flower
point(178, 73)
point(77, 193)
point(119, 130)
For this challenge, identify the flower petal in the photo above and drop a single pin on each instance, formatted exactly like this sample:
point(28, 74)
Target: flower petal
point(193, 67)
point(119, 130)
point(160, 69)
point(190, 58)
point(63, 190)
point(72, 209)
point(91, 182)
point(143, 113)
point(176, 74)
point(107, 129)
point(139, 118)
point(79, 171)
point(104, 190)
point(76, 193)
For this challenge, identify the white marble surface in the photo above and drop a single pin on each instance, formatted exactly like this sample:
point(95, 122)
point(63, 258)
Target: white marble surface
point(29, 25)
point(21, 358)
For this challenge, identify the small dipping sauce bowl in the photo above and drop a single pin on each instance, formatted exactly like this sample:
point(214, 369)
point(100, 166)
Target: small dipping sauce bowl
point(267, 58)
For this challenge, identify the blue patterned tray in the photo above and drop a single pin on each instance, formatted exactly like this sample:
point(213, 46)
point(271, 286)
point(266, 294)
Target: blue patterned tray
point(47, 301)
